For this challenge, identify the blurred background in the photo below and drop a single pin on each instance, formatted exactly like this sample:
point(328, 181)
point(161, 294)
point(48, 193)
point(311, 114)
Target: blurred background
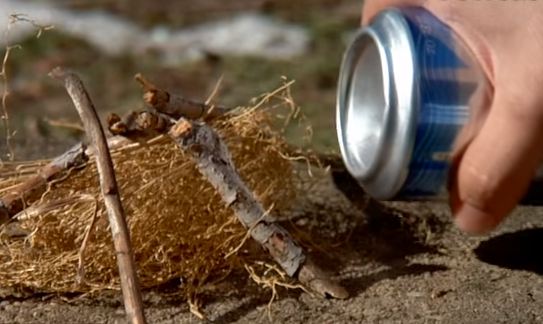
point(184, 46)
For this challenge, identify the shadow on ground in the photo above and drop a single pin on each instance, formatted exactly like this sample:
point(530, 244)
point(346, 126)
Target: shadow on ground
point(516, 250)
point(382, 236)
point(386, 235)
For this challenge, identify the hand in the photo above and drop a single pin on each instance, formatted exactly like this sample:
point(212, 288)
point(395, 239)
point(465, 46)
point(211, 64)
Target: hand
point(500, 148)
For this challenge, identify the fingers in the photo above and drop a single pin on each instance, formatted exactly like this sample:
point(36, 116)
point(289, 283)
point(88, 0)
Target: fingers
point(502, 147)
point(498, 164)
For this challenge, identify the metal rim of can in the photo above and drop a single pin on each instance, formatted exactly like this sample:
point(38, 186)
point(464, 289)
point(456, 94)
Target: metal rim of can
point(377, 104)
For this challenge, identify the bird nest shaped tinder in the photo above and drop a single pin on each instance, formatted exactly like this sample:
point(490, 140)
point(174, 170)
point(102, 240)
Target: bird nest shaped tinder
point(179, 226)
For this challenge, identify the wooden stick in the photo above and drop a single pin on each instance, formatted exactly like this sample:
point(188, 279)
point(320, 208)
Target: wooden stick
point(108, 184)
point(14, 201)
point(214, 162)
point(175, 105)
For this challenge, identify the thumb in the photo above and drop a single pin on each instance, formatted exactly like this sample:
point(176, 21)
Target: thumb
point(498, 164)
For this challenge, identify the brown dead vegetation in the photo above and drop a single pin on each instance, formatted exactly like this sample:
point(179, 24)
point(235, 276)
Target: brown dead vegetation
point(179, 226)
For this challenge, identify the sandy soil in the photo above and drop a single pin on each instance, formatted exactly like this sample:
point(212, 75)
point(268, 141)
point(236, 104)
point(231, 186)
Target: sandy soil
point(402, 263)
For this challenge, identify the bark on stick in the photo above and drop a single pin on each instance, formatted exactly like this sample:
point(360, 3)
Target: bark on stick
point(175, 105)
point(213, 161)
point(108, 185)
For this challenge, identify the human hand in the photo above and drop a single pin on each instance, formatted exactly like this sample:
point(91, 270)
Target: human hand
point(498, 151)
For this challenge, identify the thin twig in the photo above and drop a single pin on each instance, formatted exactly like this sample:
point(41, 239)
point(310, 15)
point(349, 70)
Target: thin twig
point(14, 201)
point(108, 184)
point(42, 208)
point(152, 122)
point(175, 105)
point(17, 196)
point(213, 160)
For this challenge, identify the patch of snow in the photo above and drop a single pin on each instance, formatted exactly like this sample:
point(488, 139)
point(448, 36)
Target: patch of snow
point(244, 34)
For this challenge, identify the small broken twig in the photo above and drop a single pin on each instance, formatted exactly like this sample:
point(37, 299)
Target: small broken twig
point(22, 194)
point(213, 161)
point(119, 230)
point(139, 123)
point(175, 105)
point(14, 201)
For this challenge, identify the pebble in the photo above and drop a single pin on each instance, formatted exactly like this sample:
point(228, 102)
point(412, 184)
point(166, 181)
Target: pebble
point(4, 303)
point(119, 312)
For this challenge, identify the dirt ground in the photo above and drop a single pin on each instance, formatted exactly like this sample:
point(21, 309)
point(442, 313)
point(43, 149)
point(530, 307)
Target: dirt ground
point(401, 262)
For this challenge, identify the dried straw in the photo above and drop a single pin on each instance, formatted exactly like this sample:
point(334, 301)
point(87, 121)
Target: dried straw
point(179, 226)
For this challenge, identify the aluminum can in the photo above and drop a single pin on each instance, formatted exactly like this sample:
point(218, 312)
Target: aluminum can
point(404, 92)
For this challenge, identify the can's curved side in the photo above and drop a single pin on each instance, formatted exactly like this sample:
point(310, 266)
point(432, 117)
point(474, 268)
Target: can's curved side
point(399, 147)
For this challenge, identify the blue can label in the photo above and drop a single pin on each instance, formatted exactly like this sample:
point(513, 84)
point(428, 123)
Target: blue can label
point(443, 102)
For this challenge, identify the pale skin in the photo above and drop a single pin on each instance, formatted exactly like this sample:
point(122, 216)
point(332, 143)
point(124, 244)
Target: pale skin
point(498, 152)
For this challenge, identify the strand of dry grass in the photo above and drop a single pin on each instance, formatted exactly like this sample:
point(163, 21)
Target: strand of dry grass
point(108, 184)
point(174, 105)
point(5, 94)
point(65, 124)
point(8, 48)
point(213, 160)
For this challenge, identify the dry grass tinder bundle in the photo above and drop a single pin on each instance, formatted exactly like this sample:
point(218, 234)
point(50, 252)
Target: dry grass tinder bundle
point(179, 226)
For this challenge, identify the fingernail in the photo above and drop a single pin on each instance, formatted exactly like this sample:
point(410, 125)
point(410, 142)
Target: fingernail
point(473, 220)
